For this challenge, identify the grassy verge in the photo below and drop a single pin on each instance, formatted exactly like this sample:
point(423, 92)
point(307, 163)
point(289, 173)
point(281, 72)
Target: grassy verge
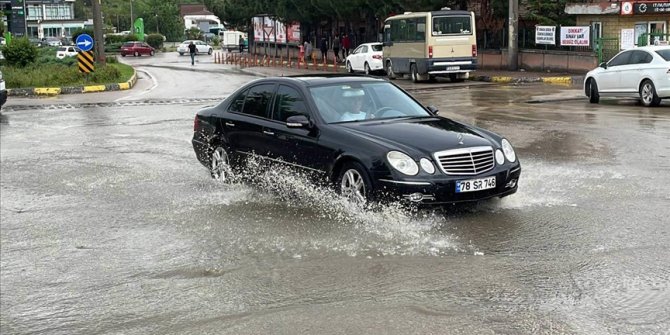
point(65, 72)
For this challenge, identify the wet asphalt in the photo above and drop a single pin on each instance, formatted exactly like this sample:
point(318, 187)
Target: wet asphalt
point(109, 225)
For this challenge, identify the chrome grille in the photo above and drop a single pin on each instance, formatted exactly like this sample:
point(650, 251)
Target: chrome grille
point(466, 161)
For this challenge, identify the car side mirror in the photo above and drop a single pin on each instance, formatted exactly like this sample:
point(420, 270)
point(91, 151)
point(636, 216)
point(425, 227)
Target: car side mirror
point(603, 65)
point(433, 110)
point(298, 121)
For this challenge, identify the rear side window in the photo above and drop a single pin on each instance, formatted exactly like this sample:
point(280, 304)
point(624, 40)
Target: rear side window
point(640, 57)
point(621, 59)
point(665, 54)
point(289, 102)
point(258, 99)
point(238, 102)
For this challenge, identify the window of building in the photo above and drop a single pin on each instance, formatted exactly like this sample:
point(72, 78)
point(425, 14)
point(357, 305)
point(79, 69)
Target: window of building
point(657, 31)
point(58, 12)
point(596, 31)
point(34, 12)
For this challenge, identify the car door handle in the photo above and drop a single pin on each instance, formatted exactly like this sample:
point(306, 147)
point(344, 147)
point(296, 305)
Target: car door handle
point(230, 124)
point(267, 132)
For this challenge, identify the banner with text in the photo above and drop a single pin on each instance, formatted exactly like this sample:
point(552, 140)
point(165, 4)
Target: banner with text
point(545, 35)
point(575, 36)
point(270, 30)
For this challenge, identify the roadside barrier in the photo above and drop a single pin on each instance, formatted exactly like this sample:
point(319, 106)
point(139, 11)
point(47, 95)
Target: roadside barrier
point(249, 60)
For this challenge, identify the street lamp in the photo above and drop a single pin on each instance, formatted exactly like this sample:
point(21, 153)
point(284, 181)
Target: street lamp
point(157, 31)
point(132, 25)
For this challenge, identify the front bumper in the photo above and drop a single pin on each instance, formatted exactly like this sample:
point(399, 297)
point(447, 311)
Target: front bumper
point(442, 189)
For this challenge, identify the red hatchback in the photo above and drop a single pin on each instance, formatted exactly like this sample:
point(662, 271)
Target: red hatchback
point(136, 49)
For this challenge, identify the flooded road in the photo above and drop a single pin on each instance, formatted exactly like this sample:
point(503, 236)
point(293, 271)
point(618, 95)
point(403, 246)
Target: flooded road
point(111, 226)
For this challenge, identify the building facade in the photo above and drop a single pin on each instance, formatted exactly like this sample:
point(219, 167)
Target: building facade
point(49, 18)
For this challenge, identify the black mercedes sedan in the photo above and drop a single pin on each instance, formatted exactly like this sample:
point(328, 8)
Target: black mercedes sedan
point(366, 136)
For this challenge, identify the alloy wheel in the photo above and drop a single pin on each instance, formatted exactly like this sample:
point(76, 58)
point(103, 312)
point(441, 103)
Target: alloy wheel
point(647, 94)
point(349, 68)
point(220, 166)
point(353, 186)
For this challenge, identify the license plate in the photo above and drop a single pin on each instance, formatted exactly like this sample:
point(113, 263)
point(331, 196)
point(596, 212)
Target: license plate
point(453, 68)
point(475, 184)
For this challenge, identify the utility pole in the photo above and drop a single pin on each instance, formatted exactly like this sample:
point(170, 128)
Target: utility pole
point(132, 24)
point(98, 36)
point(513, 42)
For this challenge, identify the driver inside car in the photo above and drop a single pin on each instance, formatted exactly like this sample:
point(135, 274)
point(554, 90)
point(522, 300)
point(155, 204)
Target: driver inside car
point(356, 106)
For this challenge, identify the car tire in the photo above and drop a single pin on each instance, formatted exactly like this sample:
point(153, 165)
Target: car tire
point(209, 52)
point(592, 91)
point(455, 79)
point(648, 95)
point(349, 68)
point(414, 73)
point(152, 53)
point(389, 70)
point(366, 68)
point(354, 183)
point(136, 54)
point(181, 54)
point(123, 55)
point(220, 168)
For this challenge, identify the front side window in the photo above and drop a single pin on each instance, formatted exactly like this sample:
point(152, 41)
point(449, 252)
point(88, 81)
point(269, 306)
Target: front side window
point(258, 99)
point(288, 102)
point(620, 59)
point(452, 25)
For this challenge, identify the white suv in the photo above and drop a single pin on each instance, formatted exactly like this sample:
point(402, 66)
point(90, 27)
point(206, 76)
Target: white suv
point(66, 51)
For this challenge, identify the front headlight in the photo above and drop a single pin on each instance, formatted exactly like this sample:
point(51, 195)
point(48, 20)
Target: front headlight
point(508, 150)
point(402, 163)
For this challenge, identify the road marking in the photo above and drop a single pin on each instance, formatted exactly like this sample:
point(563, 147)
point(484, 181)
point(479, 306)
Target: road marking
point(136, 95)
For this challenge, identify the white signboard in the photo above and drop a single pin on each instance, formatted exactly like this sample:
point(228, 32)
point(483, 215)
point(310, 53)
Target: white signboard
point(575, 36)
point(545, 35)
point(627, 38)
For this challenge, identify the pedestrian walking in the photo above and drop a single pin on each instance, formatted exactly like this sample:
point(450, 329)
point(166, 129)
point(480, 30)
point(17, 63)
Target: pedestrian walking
point(241, 43)
point(308, 51)
point(336, 48)
point(346, 44)
point(324, 48)
point(192, 50)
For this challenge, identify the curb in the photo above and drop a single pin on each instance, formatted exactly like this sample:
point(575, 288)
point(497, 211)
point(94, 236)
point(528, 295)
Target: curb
point(51, 91)
point(563, 80)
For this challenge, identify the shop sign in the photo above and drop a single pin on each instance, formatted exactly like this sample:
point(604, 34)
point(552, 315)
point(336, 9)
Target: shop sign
point(545, 35)
point(626, 8)
point(575, 36)
point(642, 8)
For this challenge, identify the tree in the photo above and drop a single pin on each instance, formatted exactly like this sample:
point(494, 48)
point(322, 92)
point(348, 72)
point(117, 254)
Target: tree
point(20, 52)
point(551, 13)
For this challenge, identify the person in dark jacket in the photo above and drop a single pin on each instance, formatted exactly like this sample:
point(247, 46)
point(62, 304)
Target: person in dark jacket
point(324, 48)
point(346, 44)
point(192, 51)
point(336, 48)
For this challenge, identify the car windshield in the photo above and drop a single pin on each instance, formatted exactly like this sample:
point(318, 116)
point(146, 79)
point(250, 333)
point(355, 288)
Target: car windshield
point(376, 47)
point(360, 101)
point(665, 54)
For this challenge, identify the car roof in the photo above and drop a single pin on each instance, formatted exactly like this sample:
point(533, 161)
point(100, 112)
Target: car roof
point(309, 80)
point(652, 47)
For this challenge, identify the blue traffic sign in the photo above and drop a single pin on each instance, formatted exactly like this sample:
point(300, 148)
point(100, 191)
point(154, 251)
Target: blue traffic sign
point(84, 42)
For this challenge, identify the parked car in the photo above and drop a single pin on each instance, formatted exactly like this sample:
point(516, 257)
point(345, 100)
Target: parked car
point(642, 72)
point(136, 49)
point(36, 42)
point(3, 91)
point(66, 51)
point(200, 47)
point(367, 58)
point(52, 41)
point(366, 136)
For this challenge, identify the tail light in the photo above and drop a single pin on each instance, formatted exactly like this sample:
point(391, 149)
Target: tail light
point(430, 51)
point(196, 124)
point(377, 56)
point(474, 50)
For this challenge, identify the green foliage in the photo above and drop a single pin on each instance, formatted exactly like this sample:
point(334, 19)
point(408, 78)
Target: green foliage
point(549, 12)
point(111, 39)
point(20, 52)
point(155, 40)
point(159, 16)
point(112, 60)
point(113, 47)
point(47, 55)
point(60, 75)
point(194, 34)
